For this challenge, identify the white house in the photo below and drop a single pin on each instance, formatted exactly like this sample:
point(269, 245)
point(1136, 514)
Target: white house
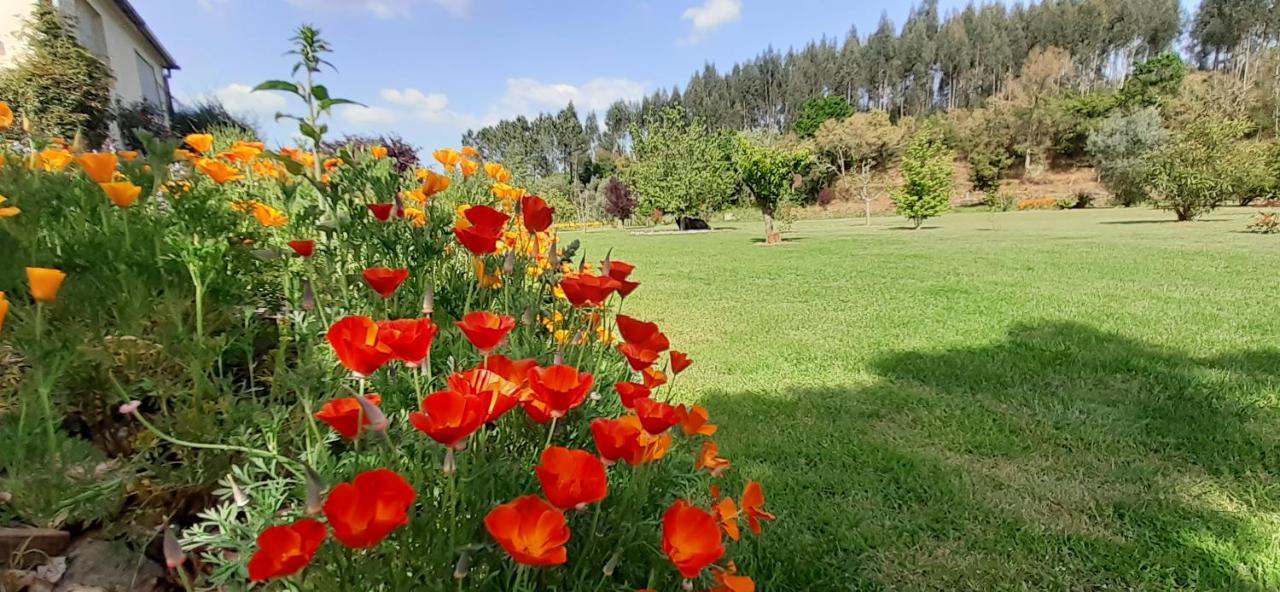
point(115, 32)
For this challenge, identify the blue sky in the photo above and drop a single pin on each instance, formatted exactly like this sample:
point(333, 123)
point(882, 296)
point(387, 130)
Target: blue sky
point(430, 69)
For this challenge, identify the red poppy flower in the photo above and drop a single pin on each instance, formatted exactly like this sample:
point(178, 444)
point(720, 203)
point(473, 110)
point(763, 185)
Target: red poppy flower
point(584, 289)
point(408, 339)
point(630, 392)
point(693, 420)
point(638, 357)
point(497, 394)
point(532, 531)
point(355, 340)
point(480, 229)
point(486, 330)
point(449, 417)
point(642, 334)
point(617, 440)
point(536, 213)
point(709, 459)
point(679, 361)
point(346, 416)
point(727, 512)
point(656, 417)
point(619, 270)
point(560, 388)
point(691, 538)
point(572, 478)
point(514, 371)
point(284, 550)
point(385, 281)
point(382, 211)
point(653, 377)
point(304, 248)
point(753, 506)
point(365, 511)
point(625, 288)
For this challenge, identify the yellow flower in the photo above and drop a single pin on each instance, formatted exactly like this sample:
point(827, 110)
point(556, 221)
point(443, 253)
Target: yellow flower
point(8, 212)
point(269, 216)
point(202, 143)
point(4, 305)
point(470, 151)
point(242, 206)
point(415, 195)
point(506, 192)
point(416, 216)
point(605, 336)
point(6, 120)
point(181, 154)
point(558, 292)
point(447, 157)
point(123, 194)
point(45, 283)
point(497, 172)
point(379, 152)
point(99, 166)
point(53, 160)
point(562, 336)
point(469, 167)
point(217, 170)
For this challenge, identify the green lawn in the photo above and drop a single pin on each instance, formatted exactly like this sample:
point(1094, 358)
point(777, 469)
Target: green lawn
point(1074, 400)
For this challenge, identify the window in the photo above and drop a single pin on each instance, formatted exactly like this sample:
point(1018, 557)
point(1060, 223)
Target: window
point(149, 82)
point(90, 30)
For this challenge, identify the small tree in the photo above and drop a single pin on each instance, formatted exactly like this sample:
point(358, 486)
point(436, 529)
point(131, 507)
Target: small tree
point(858, 146)
point(680, 168)
point(926, 178)
point(1120, 147)
point(769, 173)
point(58, 85)
point(983, 136)
point(1031, 97)
point(618, 201)
point(1191, 175)
point(818, 110)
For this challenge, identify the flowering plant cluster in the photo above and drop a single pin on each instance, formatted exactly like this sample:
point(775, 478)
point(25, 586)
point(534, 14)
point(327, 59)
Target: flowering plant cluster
point(440, 394)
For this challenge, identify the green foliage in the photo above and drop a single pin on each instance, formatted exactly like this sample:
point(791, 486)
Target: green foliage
point(818, 110)
point(1120, 147)
point(1153, 81)
point(1249, 176)
point(58, 85)
point(983, 136)
point(926, 178)
point(769, 174)
point(1191, 174)
point(680, 168)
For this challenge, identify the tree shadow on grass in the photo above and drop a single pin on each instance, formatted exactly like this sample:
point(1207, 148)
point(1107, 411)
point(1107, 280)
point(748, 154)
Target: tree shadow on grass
point(1162, 221)
point(790, 239)
point(1062, 458)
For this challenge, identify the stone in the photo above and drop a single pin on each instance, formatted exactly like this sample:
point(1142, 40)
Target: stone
point(38, 543)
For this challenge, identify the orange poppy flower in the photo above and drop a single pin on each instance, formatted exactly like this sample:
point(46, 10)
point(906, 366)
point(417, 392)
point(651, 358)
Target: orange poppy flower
point(124, 194)
point(304, 248)
point(434, 183)
point(450, 417)
point(6, 115)
point(4, 310)
point(638, 357)
point(691, 538)
point(653, 377)
point(558, 389)
point(536, 213)
point(515, 372)
point(332, 163)
point(408, 339)
point(362, 513)
point(379, 152)
point(201, 143)
point(655, 416)
point(99, 166)
point(45, 283)
point(241, 153)
point(679, 361)
point(217, 170)
point(8, 212)
point(480, 228)
point(753, 506)
point(53, 160)
point(268, 216)
point(385, 281)
point(727, 580)
point(643, 334)
point(486, 330)
point(630, 392)
point(617, 440)
point(285, 550)
point(382, 211)
point(180, 154)
point(499, 394)
point(470, 152)
point(572, 478)
point(469, 167)
point(497, 172)
point(447, 157)
point(531, 530)
point(128, 155)
point(506, 192)
point(693, 421)
point(346, 416)
point(355, 341)
point(584, 289)
point(727, 512)
point(710, 460)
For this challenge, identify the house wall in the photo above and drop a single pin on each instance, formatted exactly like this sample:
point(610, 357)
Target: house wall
point(120, 45)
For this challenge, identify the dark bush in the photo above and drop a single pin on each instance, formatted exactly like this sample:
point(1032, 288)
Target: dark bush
point(405, 154)
point(207, 114)
point(618, 201)
point(144, 116)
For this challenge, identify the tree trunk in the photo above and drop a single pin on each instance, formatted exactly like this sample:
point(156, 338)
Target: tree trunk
point(866, 201)
point(918, 223)
point(771, 237)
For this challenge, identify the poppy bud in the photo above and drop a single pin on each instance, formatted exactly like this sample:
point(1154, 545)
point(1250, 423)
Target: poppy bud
point(450, 463)
point(429, 300)
point(612, 564)
point(528, 317)
point(559, 357)
point(173, 555)
point(464, 564)
point(509, 264)
point(236, 494)
point(308, 295)
point(315, 491)
point(26, 125)
point(687, 586)
point(377, 419)
point(130, 408)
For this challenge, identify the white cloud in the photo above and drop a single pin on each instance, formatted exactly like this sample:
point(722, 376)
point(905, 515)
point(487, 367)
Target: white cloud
point(240, 99)
point(367, 116)
point(710, 16)
point(384, 9)
point(526, 96)
point(416, 99)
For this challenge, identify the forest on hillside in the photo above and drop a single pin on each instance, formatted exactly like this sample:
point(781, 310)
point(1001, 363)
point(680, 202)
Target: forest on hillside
point(1011, 89)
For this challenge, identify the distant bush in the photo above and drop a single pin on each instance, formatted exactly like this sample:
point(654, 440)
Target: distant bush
point(999, 201)
point(404, 153)
point(1192, 174)
point(204, 115)
point(927, 178)
point(1120, 146)
point(1249, 176)
point(618, 201)
point(145, 116)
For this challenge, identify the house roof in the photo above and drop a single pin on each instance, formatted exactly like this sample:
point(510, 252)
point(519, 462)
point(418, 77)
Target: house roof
point(132, 13)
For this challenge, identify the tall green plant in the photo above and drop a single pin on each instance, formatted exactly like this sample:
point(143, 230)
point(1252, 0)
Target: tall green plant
point(927, 178)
